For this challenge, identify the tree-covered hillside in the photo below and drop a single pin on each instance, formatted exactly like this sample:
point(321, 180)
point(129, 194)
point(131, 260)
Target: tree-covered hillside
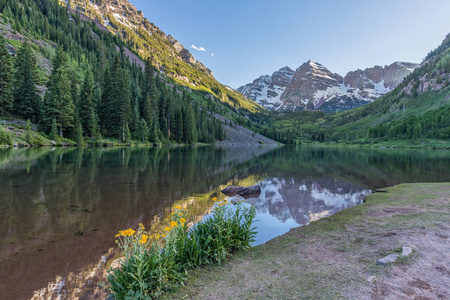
point(147, 41)
point(75, 80)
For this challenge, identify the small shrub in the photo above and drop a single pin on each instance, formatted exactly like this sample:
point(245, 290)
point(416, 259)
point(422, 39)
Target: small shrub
point(5, 137)
point(38, 140)
point(227, 230)
point(154, 264)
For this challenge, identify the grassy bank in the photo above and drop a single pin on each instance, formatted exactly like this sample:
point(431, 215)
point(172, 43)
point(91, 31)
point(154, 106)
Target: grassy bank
point(335, 257)
point(418, 143)
point(20, 136)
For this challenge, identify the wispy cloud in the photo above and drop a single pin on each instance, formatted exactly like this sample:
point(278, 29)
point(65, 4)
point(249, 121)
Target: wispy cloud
point(198, 48)
point(212, 54)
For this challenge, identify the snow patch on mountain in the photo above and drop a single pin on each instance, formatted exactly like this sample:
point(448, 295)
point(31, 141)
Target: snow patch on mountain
point(267, 89)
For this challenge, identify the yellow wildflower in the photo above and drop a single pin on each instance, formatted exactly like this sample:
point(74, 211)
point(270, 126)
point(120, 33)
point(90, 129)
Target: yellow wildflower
point(173, 213)
point(163, 235)
point(180, 214)
point(157, 236)
point(143, 240)
point(177, 207)
point(173, 224)
point(182, 220)
point(214, 199)
point(167, 228)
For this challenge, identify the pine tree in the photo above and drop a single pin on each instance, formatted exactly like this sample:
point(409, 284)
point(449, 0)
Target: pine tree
point(191, 128)
point(154, 130)
point(179, 125)
point(54, 130)
point(74, 88)
point(135, 121)
point(127, 134)
point(58, 104)
point(147, 108)
point(135, 95)
point(115, 106)
point(150, 95)
point(142, 132)
point(26, 97)
point(79, 135)
point(6, 79)
point(162, 108)
point(86, 109)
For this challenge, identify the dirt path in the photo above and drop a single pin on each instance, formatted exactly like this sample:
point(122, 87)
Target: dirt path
point(335, 257)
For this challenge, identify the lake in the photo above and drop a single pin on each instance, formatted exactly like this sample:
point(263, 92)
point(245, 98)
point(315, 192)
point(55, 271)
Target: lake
point(60, 208)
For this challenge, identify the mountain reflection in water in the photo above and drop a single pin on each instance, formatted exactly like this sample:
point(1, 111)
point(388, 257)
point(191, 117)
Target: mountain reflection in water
point(285, 203)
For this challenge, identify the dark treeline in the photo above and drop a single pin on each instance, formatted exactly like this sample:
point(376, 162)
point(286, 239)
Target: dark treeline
point(93, 89)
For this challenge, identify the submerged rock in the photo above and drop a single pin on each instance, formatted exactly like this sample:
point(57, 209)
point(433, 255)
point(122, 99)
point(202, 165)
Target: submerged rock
point(246, 192)
point(232, 190)
point(250, 192)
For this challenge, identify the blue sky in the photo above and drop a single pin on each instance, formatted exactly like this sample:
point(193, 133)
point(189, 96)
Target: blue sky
point(245, 39)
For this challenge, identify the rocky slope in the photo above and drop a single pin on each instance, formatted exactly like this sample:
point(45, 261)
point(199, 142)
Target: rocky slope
point(313, 87)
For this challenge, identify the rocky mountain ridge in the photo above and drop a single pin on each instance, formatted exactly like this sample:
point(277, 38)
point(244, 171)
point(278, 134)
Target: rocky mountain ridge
point(108, 12)
point(313, 87)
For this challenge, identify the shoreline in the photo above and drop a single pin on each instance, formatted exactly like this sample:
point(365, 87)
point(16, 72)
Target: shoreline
point(400, 144)
point(336, 257)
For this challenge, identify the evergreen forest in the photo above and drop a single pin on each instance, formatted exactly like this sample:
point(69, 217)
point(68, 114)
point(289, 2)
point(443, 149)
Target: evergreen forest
point(92, 89)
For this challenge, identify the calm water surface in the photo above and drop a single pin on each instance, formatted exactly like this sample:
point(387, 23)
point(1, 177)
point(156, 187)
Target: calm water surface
point(60, 208)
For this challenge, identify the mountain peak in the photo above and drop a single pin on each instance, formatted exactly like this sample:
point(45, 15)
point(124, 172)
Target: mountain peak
point(315, 68)
point(285, 69)
point(312, 86)
point(314, 64)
